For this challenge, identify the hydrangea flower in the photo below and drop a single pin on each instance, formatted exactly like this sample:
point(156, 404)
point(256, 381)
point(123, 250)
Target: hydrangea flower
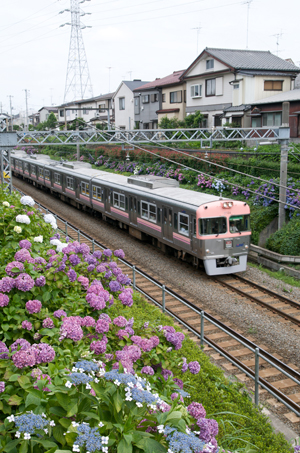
point(194, 367)
point(72, 275)
point(114, 286)
point(22, 255)
point(24, 358)
point(196, 410)
point(102, 326)
point(38, 239)
point(24, 244)
point(24, 344)
point(49, 218)
point(79, 378)
point(27, 201)
point(120, 321)
point(14, 265)
point(147, 370)
point(26, 325)
point(23, 219)
point(40, 281)
point(7, 284)
point(17, 229)
point(4, 300)
point(48, 323)
point(2, 386)
point(107, 252)
point(87, 365)
point(3, 351)
point(5, 203)
point(89, 438)
point(59, 313)
point(119, 253)
point(44, 353)
point(71, 328)
point(24, 282)
point(98, 347)
point(33, 306)
point(88, 321)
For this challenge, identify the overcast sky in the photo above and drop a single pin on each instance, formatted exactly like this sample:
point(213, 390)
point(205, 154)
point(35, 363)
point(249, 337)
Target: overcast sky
point(138, 39)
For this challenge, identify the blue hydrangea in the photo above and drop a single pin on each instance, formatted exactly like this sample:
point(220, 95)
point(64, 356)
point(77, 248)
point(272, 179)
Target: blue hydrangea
point(123, 378)
point(183, 393)
point(88, 437)
point(143, 396)
point(87, 365)
point(183, 443)
point(28, 423)
point(79, 378)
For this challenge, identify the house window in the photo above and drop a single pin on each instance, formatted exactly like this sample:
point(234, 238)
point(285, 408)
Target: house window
point(85, 112)
point(101, 107)
point(154, 97)
point(61, 113)
point(119, 201)
point(121, 103)
point(217, 121)
point(271, 119)
point(67, 112)
point(57, 178)
point(32, 168)
point(196, 91)
point(183, 224)
point(41, 173)
point(164, 97)
point(209, 64)
point(47, 175)
point(236, 86)
point(149, 211)
point(175, 97)
point(273, 85)
point(70, 183)
point(256, 122)
point(136, 101)
point(97, 193)
point(145, 99)
point(85, 189)
point(210, 87)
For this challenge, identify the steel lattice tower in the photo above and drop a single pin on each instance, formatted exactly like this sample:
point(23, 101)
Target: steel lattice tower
point(78, 81)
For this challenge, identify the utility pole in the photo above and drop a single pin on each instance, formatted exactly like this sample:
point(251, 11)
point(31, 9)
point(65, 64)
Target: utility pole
point(248, 3)
point(198, 33)
point(26, 114)
point(11, 118)
point(284, 136)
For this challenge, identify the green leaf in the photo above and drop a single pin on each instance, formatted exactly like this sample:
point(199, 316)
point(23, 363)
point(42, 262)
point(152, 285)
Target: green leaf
point(91, 415)
point(47, 443)
point(123, 447)
point(15, 400)
point(65, 422)
point(13, 377)
point(128, 438)
point(72, 409)
point(58, 411)
point(24, 447)
point(151, 446)
point(46, 296)
point(58, 433)
point(11, 445)
point(24, 381)
point(5, 327)
point(118, 401)
point(31, 399)
point(174, 415)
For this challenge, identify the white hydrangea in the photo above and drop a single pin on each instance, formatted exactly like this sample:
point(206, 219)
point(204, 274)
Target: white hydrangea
point(23, 219)
point(49, 218)
point(28, 201)
point(5, 203)
point(38, 239)
point(55, 242)
point(18, 229)
point(61, 246)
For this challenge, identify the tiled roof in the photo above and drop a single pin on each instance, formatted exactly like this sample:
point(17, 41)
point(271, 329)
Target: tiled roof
point(132, 84)
point(285, 96)
point(165, 81)
point(167, 110)
point(252, 59)
point(238, 108)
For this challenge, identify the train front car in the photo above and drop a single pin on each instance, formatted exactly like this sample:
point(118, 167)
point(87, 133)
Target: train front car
point(223, 230)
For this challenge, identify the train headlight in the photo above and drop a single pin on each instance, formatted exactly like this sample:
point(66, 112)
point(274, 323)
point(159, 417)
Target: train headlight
point(225, 205)
point(246, 246)
point(207, 250)
point(230, 204)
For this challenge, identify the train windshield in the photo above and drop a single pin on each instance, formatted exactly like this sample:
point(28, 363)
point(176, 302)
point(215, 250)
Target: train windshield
point(213, 225)
point(239, 223)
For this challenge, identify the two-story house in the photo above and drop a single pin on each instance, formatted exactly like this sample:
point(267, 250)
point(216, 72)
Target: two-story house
point(163, 97)
point(124, 104)
point(222, 83)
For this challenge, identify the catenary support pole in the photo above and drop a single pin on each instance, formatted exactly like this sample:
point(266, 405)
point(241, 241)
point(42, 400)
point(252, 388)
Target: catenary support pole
point(284, 134)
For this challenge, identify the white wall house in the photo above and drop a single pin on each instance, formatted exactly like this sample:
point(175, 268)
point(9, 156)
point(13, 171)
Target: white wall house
point(124, 104)
point(222, 83)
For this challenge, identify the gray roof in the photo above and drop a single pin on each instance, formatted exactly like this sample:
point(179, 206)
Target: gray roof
point(252, 59)
point(132, 84)
point(292, 95)
point(238, 108)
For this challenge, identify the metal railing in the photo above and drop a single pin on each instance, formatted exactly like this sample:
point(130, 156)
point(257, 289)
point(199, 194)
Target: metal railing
point(203, 316)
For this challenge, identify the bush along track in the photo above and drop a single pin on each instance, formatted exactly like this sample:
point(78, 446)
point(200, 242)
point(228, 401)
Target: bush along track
point(86, 365)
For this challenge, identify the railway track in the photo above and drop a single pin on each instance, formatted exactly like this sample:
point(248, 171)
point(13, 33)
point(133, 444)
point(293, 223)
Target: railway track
point(278, 381)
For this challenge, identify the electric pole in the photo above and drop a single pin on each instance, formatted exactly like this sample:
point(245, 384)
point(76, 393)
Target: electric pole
point(78, 82)
point(11, 117)
point(284, 136)
point(26, 114)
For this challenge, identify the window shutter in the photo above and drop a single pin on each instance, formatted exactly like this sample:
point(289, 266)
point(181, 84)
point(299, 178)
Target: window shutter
point(192, 91)
point(219, 86)
point(152, 97)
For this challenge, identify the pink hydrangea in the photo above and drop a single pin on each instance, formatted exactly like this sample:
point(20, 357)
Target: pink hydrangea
point(48, 323)
point(22, 255)
point(102, 326)
point(98, 347)
point(24, 282)
point(120, 321)
point(26, 325)
point(4, 300)
point(44, 353)
point(14, 265)
point(71, 328)
point(7, 284)
point(88, 321)
point(33, 306)
point(84, 281)
point(24, 358)
point(196, 410)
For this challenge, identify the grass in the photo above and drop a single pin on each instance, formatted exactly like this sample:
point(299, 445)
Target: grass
point(278, 275)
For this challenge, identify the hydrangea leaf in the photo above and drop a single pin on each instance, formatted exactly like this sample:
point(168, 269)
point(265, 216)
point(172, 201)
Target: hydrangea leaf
point(15, 400)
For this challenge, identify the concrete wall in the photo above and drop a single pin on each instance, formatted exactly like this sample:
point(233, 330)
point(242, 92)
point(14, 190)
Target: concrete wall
point(145, 113)
point(266, 232)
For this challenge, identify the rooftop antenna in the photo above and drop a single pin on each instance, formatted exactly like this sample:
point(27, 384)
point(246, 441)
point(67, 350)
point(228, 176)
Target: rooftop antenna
point(198, 33)
point(109, 68)
point(129, 72)
point(278, 36)
point(248, 3)
point(78, 81)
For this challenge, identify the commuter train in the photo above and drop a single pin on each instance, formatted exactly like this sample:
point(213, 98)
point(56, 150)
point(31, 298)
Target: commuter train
point(199, 227)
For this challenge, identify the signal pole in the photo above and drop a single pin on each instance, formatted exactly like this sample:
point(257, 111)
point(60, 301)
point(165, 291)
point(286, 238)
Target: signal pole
point(26, 114)
point(284, 134)
point(11, 118)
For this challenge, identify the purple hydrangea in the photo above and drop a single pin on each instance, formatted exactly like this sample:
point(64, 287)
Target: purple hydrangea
point(20, 343)
point(24, 358)
point(74, 260)
point(114, 286)
point(194, 367)
point(26, 325)
point(120, 321)
point(2, 386)
point(33, 306)
point(14, 265)
point(48, 323)
point(4, 300)
point(88, 321)
point(90, 259)
point(102, 326)
point(25, 244)
point(3, 351)
point(147, 370)
point(166, 373)
point(71, 328)
point(97, 254)
point(98, 347)
point(84, 249)
point(178, 382)
point(7, 284)
point(59, 313)
point(84, 281)
point(22, 255)
point(208, 428)
point(196, 410)
point(107, 252)
point(119, 253)
point(100, 268)
point(90, 268)
point(176, 395)
point(24, 282)
point(40, 281)
point(72, 275)
point(126, 297)
point(44, 353)
point(40, 260)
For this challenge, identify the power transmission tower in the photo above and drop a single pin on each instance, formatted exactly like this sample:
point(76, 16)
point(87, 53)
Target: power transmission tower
point(248, 3)
point(78, 81)
point(11, 108)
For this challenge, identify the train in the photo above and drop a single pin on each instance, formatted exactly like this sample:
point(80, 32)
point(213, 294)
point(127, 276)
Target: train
point(197, 227)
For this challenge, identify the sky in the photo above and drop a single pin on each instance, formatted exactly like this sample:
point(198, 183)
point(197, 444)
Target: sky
point(136, 39)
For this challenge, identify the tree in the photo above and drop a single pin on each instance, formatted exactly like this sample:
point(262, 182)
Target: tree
point(169, 123)
point(78, 122)
point(51, 122)
point(194, 120)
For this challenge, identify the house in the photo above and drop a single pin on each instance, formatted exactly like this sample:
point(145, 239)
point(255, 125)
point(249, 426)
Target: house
point(44, 113)
point(162, 97)
point(219, 79)
point(124, 104)
point(98, 109)
point(268, 112)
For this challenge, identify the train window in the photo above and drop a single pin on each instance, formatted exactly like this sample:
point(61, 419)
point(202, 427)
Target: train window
point(126, 201)
point(214, 225)
point(47, 175)
point(175, 221)
point(139, 208)
point(194, 227)
point(119, 201)
point(85, 188)
point(57, 178)
point(165, 215)
point(70, 183)
point(41, 172)
point(170, 217)
point(183, 221)
point(26, 167)
point(238, 223)
point(32, 169)
point(158, 215)
point(149, 211)
point(97, 193)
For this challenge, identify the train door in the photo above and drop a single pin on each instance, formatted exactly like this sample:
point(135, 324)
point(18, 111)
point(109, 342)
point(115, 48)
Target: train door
point(168, 223)
point(106, 193)
point(195, 241)
point(133, 210)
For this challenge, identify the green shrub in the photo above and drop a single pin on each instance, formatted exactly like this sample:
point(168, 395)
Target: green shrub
point(287, 240)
